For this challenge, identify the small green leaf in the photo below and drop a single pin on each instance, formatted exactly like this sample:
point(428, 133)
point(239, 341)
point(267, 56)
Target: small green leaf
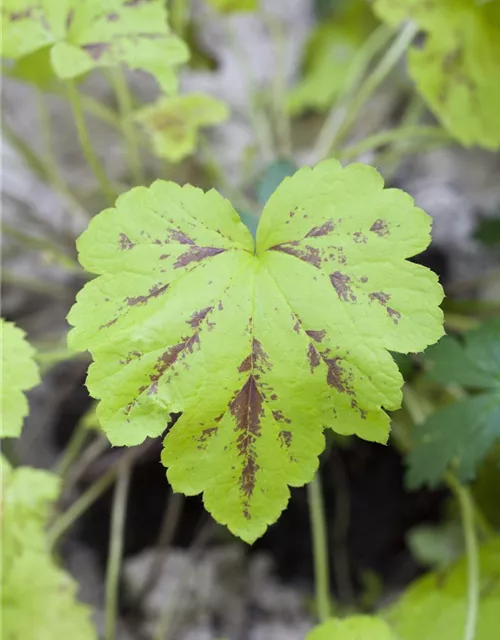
point(19, 373)
point(474, 364)
point(260, 347)
point(435, 606)
point(227, 6)
point(87, 35)
point(173, 123)
point(37, 597)
point(457, 67)
point(328, 57)
point(436, 546)
point(353, 628)
point(272, 176)
point(35, 68)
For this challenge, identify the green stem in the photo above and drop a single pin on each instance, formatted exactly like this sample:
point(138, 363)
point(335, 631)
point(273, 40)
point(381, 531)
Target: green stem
point(125, 106)
point(392, 135)
point(466, 503)
point(86, 145)
point(320, 548)
point(281, 115)
point(372, 82)
point(75, 445)
point(179, 16)
point(118, 515)
point(330, 129)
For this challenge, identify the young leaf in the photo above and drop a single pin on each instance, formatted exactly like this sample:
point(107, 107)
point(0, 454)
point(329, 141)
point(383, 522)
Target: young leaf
point(260, 348)
point(457, 67)
point(37, 597)
point(353, 628)
point(19, 373)
point(463, 433)
point(226, 6)
point(435, 606)
point(86, 34)
point(173, 123)
point(328, 57)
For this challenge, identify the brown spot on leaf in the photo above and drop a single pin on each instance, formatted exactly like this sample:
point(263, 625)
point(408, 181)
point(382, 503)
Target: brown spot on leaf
point(380, 227)
point(164, 256)
point(206, 434)
point(112, 17)
point(306, 253)
point(274, 396)
point(279, 417)
point(132, 355)
point(285, 438)
point(195, 255)
point(21, 15)
point(176, 235)
point(323, 230)
point(69, 18)
point(394, 315)
point(382, 297)
point(340, 282)
point(359, 237)
point(246, 365)
point(155, 291)
point(198, 317)
point(363, 279)
point(96, 49)
point(296, 327)
point(362, 412)
point(338, 377)
point(126, 242)
point(317, 336)
point(109, 324)
point(313, 357)
point(292, 213)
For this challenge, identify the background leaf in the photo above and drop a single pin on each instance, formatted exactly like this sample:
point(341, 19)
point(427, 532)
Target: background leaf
point(225, 6)
point(19, 373)
point(457, 67)
point(435, 606)
point(260, 348)
point(353, 628)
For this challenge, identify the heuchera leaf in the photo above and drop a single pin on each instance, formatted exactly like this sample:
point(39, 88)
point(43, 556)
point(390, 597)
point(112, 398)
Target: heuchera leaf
point(462, 433)
point(19, 373)
point(435, 606)
point(457, 67)
point(328, 57)
point(173, 123)
point(226, 6)
point(353, 628)
point(86, 34)
point(260, 347)
point(37, 597)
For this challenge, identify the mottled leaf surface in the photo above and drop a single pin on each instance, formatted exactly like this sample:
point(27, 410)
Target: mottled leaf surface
point(461, 434)
point(352, 628)
point(19, 373)
point(435, 606)
point(173, 123)
point(261, 348)
point(329, 54)
point(456, 69)
point(37, 597)
point(86, 34)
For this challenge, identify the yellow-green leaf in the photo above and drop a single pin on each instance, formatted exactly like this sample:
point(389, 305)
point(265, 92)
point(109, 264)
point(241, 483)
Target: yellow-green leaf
point(353, 628)
point(458, 65)
point(173, 123)
point(226, 6)
point(19, 373)
point(260, 347)
point(86, 34)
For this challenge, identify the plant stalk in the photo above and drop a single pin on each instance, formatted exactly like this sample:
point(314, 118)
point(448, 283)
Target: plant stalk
point(320, 548)
point(118, 515)
point(126, 109)
point(85, 143)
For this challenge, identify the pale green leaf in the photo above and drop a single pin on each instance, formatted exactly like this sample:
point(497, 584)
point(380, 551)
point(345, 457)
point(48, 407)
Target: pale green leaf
point(353, 628)
point(173, 123)
point(260, 350)
point(328, 57)
point(37, 597)
point(457, 68)
point(436, 545)
point(19, 373)
point(226, 6)
point(87, 34)
point(459, 436)
point(475, 363)
point(435, 606)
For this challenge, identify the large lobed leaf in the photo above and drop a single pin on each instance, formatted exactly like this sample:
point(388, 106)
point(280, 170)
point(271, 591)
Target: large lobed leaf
point(86, 34)
point(37, 597)
point(463, 433)
point(19, 373)
point(261, 348)
point(435, 606)
point(173, 123)
point(457, 67)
